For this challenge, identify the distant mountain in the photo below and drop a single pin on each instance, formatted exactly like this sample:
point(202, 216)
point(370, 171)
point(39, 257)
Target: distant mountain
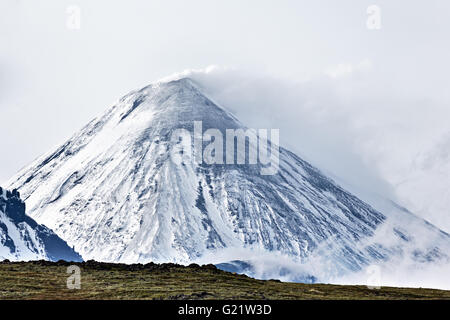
point(114, 192)
point(21, 238)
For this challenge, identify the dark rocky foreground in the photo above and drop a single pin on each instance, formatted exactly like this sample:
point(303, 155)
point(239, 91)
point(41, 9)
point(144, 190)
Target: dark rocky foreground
point(48, 280)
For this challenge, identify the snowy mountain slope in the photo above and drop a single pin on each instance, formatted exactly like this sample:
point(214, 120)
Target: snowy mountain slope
point(113, 192)
point(21, 238)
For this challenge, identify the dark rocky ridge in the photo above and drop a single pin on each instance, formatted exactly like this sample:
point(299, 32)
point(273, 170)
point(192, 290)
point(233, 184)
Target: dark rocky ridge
point(14, 209)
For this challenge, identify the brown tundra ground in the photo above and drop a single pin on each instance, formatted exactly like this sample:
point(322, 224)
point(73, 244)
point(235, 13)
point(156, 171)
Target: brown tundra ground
point(48, 280)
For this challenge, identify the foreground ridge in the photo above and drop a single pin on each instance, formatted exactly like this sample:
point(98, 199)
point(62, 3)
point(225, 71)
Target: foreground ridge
point(47, 280)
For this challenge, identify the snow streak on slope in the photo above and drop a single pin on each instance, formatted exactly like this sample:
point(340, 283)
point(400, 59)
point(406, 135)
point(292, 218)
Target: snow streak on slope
point(114, 193)
point(21, 238)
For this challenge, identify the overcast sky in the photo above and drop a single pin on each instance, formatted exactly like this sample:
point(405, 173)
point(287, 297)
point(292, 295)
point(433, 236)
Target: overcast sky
point(370, 106)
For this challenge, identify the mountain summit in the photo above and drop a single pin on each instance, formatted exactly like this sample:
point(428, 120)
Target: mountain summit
point(114, 193)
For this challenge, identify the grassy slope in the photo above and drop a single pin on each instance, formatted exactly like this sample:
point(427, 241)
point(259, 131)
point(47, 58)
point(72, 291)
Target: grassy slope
point(45, 280)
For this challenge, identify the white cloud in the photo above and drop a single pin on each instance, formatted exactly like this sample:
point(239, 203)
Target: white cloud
point(344, 69)
point(359, 127)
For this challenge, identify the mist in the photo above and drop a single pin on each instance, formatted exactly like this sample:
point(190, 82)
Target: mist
point(355, 125)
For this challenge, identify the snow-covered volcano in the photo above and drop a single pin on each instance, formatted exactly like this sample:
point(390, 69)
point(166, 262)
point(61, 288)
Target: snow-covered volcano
point(113, 192)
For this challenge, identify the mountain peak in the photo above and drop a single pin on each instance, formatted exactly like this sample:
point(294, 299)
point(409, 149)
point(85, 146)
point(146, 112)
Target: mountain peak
point(114, 193)
point(173, 104)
